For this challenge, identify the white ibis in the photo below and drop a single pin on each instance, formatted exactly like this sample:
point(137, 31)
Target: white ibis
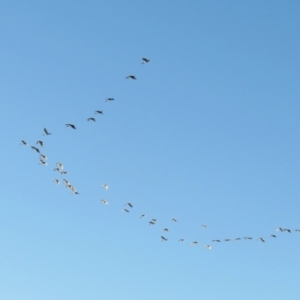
point(247, 238)
point(204, 226)
point(131, 77)
point(174, 220)
point(43, 162)
point(279, 229)
point(287, 230)
point(71, 125)
point(46, 132)
point(142, 216)
point(105, 186)
point(126, 210)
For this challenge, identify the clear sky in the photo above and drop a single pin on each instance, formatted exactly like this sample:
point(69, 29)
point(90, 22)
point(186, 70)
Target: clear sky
point(207, 134)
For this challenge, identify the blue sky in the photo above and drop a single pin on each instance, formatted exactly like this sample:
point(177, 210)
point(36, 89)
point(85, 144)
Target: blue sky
point(207, 134)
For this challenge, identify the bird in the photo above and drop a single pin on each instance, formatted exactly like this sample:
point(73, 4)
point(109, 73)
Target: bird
point(142, 216)
point(97, 112)
point(24, 143)
point(203, 226)
point(297, 230)
point(288, 230)
point(273, 235)
point(60, 165)
point(126, 210)
point(131, 77)
point(236, 239)
point(91, 119)
point(46, 132)
point(216, 241)
point(154, 220)
point(166, 229)
point(109, 99)
point(129, 204)
point(226, 240)
point(40, 143)
point(63, 172)
point(279, 229)
point(43, 162)
point(104, 201)
point(71, 125)
point(174, 220)
point(180, 240)
point(164, 239)
point(56, 181)
point(208, 247)
point(105, 186)
point(56, 169)
point(44, 157)
point(152, 223)
point(36, 149)
point(261, 239)
point(194, 243)
point(145, 60)
point(247, 238)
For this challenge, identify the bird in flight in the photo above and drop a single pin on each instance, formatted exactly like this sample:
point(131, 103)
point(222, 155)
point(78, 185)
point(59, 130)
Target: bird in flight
point(297, 230)
point(174, 220)
point(105, 186)
point(60, 165)
point(46, 132)
point(208, 247)
point(166, 229)
point(109, 99)
point(273, 235)
point(131, 77)
point(56, 181)
point(42, 162)
point(247, 238)
point(261, 239)
point(145, 60)
point(287, 230)
point(40, 143)
point(142, 216)
point(194, 243)
point(216, 241)
point(24, 143)
point(164, 239)
point(126, 210)
point(97, 112)
point(279, 229)
point(204, 226)
point(71, 125)
point(36, 149)
point(226, 240)
point(129, 204)
point(104, 201)
point(44, 157)
point(91, 119)
point(180, 240)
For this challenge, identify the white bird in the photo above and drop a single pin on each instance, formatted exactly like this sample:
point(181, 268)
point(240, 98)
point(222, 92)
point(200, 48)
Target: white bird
point(216, 241)
point(104, 201)
point(194, 243)
point(297, 230)
point(203, 226)
point(36, 149)
point(43, 162)
point(226, 240)
point(46, 132)
point(287, 230)
point(24, 143)
point(247, 238)
point(105, 186)
point(236, 239)
point(166, 229)
point(56, 181)
point(208, 247)
point(61, 166)
point(279, 229)
point(63, 172)
point(152, 223)
point(126, 210)
point(44, 157)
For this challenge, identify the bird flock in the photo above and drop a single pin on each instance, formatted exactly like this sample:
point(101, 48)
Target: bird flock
point(59, 168)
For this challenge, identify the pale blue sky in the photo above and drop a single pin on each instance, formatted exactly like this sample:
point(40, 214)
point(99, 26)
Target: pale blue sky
point(207, 134)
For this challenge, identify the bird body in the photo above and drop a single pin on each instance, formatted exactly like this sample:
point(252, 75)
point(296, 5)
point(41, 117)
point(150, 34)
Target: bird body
point(71, 125)
point(261, 239)
point(164, 239)
point(208, 247)
point(131, 77)
point(35, 149)
point(91, 119)
point(40, 143)
point(105, 186)
point(109, 99)
point(46, 132)
point(98, 112)
point(24, 143)
point(104, 201)
point(145, 60)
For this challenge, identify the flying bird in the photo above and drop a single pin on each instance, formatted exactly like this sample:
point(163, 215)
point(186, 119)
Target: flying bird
point(46, 132)
point(43, 162)
point(204, 226)
point(279, 229)
point(44, 157)
point(40, 143)
point(180, 240)
point(288, 230)
point(71, 125)
point(261, 239)
point(129, 204)
point(174, 220)
point(247, 238)
point(142, 216)
point(236, 239)
point(24, 143)
point(104, 201)
point(226, 240)
point(164, 239)
point(152, 223)
point(105, 186)
point(126, 210)
point(109, 99)
point(208, 247)
point(145, 60)
point(97, 112)
point(60, 165)
point(36, 149)
point(56, 181)
point(273, 235)
point(216, 241)
point(194, 243)
point(297, 230)
point(91, 119)
point(131, 77)
point(63, 172)
point(166, 229)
